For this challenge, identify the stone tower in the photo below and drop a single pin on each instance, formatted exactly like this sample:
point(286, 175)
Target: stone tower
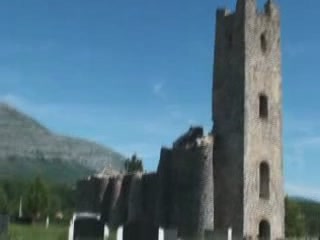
point(247, 115)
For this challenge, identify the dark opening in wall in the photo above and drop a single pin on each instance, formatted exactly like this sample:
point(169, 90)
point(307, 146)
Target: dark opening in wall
point(263, 42)
point(263, 106)
point(264, 230)
point(264, 180)
point(230, 40)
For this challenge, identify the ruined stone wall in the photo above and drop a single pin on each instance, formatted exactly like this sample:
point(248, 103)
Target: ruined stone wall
point(135, 199)
point(193, 193)
point(149, 196)
point(111, 201)
point(122, 200)
point(89, 194)
point(122, 205)
point(179, 195)
point(165, 206)
point(186, 186)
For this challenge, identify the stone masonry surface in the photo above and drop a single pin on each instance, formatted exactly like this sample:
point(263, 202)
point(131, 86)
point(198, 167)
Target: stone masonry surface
point(230, 178)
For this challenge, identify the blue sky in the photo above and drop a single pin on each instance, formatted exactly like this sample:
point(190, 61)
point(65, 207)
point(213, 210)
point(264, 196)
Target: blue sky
point(134, 75)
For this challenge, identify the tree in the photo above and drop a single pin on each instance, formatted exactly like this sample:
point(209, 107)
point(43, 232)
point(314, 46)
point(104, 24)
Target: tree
point(294, 219)
point(37, 199)
point(134, 164)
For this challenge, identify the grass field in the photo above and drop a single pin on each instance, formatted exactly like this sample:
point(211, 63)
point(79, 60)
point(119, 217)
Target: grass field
point(38, 232)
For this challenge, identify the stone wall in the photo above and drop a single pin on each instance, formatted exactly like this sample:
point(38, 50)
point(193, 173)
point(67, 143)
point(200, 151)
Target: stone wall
point(165, 201)
point(247, 66)
point(228, 115)
point(110, 202)
point(181, 195)
point(182, 187)
point(89, 194)
point(192, 188)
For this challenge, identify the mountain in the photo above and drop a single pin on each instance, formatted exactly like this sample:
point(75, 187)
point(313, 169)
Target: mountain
point(27, 149)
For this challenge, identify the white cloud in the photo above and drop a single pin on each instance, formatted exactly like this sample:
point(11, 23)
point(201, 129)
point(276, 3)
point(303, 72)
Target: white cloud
point(158, 89)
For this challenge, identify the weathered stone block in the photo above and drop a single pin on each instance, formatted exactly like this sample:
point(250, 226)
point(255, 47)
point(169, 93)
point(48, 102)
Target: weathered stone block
point(110, 200)
point(90, 193)
point(140, 230)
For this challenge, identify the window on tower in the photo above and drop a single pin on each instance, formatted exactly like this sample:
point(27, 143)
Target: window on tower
point(263, 106)
point(263, 42)
point(229, 40)
point(264, 180)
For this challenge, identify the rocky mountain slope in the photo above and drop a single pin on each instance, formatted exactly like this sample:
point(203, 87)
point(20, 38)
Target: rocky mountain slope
point(26, 143)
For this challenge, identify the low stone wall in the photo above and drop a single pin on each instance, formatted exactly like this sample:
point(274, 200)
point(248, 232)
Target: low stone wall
point(185, 175)
point(178, 196)
point(89, 194)
point(193, 193)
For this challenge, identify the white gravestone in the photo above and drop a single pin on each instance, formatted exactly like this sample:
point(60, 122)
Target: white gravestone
point(120, 233)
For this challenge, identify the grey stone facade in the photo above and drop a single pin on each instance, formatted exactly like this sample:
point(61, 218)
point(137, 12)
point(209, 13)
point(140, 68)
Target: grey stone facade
point(182, 187)
point(186, 186)
point(231, 178)
point(247, 114)
point(93, 189)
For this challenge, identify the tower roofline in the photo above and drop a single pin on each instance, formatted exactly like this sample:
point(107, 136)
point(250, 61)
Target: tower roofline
point(246, 5)
point(249, 8)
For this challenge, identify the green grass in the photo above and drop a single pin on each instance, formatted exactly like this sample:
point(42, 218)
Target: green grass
point(113, 235)
point(38, 232)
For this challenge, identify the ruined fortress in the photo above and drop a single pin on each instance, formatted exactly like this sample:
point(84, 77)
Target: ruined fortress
point(230, 178)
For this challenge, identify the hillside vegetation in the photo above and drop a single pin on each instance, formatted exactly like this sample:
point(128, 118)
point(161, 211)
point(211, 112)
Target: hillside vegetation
point(302, 217)
point(27, 149)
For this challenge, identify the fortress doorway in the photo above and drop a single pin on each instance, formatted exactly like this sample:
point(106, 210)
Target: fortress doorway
point(264, 230)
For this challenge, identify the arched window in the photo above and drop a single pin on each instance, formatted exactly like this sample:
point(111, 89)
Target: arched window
point(263, 106)
point(263, 42)
point(264, 180)
point(264, 230)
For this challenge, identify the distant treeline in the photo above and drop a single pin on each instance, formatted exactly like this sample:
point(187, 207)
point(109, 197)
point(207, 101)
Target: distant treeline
point(39, 199)
point(44, 196)
point(302, 217)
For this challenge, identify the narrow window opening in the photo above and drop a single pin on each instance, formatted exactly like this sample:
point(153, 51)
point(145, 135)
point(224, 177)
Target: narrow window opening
point(263, 106)
point(263, 42)
point(264, 180)
point(264, 230)
point(229, 40)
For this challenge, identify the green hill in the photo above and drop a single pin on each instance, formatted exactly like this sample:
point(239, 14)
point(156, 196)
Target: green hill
point(52, 171)
point(28, 149)
point(311, 211)
point(302, 216)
